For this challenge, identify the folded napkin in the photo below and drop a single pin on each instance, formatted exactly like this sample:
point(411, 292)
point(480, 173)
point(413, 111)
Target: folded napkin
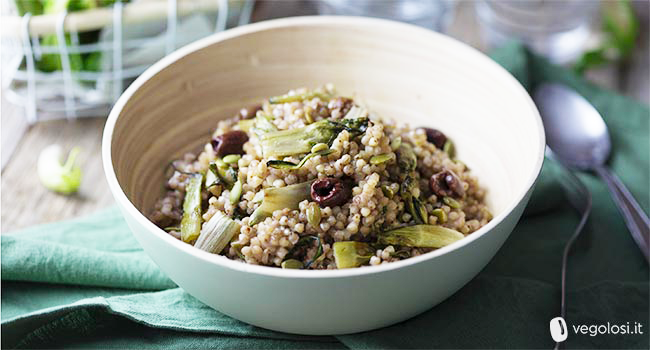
point(87, 283)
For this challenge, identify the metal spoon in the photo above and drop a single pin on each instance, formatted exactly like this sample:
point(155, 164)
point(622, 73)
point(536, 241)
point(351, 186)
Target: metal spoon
point(578, 136)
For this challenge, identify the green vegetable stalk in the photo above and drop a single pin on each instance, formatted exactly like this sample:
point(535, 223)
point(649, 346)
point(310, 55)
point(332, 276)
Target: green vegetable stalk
point(406, 158)
point(62, 178)
point(217, 233)
point(280, 198)
point(407, 162)
point(281, 164)
point(351, 254)
point(298, 97)
point(421, 236)
point(191, 221)
point(223, 173)
point(262, 124)
point(301, 140)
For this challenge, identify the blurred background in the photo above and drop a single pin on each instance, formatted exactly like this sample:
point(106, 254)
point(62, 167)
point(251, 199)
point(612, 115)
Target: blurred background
point(65, 62)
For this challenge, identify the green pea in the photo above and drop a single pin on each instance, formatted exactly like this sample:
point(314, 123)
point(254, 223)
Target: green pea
point(292, 264)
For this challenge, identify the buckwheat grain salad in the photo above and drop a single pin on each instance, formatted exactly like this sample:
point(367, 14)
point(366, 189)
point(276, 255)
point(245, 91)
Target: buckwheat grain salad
point(311, 180)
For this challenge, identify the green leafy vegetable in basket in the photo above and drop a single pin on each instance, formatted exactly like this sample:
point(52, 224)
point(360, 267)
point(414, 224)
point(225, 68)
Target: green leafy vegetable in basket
point(51, 62)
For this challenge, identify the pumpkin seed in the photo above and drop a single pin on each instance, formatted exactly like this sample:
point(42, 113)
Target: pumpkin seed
point(451, 202)
point(308, 117)
point(235, 193)
point(313, 214)
point(440, 214)
point(381, 158)
point(292, 264)
point(231, 158)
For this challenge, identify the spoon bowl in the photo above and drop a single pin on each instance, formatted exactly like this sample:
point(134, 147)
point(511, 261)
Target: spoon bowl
point(576, 133)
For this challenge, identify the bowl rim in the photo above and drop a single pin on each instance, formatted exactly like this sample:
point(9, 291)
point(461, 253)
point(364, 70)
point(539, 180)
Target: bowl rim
point(126, 205)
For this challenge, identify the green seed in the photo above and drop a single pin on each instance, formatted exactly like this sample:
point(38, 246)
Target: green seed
point(381, 158)
point(388, 191)
point(313, 214)
point(319, 147)
point(394, 145)
point(220, 163)
point(440, 214)
point(235, 193)
point(451, 202)
point(308, 117)
point(292, 264)
point(449, 148)
point(231, 158)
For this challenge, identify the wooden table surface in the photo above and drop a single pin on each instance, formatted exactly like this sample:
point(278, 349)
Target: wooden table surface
point(25, 202)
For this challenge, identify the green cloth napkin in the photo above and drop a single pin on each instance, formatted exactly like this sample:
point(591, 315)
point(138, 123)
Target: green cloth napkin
point(86, 283)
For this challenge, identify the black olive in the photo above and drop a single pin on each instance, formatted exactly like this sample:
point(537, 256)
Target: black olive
point(231, 142)
point(330, 192)
point(446, 184)
point(436, 137)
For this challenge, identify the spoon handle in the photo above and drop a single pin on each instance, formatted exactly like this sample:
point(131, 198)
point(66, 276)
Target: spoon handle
point(635, 218)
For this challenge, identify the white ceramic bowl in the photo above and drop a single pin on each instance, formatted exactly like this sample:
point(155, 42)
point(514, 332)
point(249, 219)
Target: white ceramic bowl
point(399, 71)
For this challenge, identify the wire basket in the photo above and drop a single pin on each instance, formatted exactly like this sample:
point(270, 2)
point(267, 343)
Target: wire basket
point(132, 36)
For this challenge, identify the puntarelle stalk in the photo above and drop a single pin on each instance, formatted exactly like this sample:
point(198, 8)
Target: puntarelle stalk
point(301, 140)
point(421, 236)
point(191, 221)
point(351, 254)
point(280, 198)
point(216, 233)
